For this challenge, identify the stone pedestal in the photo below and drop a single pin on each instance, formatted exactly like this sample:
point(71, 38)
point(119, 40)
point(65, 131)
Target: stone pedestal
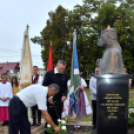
point(112, 103)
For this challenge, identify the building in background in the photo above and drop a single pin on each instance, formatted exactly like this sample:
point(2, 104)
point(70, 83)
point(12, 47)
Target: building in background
point(13, 68)
point(9, 66)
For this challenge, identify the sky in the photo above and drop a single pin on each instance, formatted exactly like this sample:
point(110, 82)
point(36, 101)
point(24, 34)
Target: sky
point(14, 17)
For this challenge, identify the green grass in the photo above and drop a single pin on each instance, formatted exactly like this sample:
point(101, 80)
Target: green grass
point(131, 89)
point(89, 117)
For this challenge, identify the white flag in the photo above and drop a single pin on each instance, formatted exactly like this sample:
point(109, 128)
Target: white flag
point(26, 62)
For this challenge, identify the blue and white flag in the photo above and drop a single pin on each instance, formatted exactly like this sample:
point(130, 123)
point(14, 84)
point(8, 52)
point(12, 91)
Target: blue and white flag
point(74, 88)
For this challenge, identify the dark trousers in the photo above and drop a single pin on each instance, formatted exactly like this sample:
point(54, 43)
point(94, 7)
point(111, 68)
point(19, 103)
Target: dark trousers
point(18, 117)
point(53, 114)
point(34, 109)
point(94, 106)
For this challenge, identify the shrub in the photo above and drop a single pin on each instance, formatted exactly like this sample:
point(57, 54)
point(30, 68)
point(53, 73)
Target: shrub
point(131, 113)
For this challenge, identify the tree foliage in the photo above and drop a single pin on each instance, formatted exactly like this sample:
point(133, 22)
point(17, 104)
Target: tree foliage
point(89, 19)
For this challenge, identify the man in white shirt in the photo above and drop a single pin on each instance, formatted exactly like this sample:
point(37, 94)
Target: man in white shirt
point(36, 79)
point(29, 97)
point(93, 89)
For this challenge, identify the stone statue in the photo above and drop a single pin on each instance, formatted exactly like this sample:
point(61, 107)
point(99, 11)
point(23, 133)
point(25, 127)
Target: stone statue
point(111, 62)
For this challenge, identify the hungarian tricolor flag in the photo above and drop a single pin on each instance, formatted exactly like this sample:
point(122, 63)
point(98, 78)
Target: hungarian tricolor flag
point(50, 59)
point(74, 89)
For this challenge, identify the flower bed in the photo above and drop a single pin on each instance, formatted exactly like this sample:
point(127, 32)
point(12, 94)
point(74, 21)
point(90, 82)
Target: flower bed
point(131, 113)
point(61, 124)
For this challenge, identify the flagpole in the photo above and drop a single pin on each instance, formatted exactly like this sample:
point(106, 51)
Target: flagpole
point(74, 87)
point(74, 52)
point(26, 65)
point(29, 109)
point(72, 63)
point(76, 118)
point(27, 26)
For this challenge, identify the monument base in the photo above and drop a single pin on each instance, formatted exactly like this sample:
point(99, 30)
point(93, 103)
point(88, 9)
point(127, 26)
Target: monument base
point(112, 103)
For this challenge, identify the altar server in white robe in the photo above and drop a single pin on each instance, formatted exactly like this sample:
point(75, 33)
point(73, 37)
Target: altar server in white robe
point(5, 95)
point(93, 89)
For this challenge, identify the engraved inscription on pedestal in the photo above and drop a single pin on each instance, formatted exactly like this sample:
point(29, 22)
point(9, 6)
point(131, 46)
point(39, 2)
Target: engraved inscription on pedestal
point(112, 105)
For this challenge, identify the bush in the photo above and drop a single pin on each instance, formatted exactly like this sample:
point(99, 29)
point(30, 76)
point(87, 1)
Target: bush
point(131, 113)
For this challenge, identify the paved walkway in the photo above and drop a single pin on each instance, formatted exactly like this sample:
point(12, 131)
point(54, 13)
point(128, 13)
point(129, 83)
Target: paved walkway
point(40, 129)
point(85, 128)
point(71, 130)
point(34, 130)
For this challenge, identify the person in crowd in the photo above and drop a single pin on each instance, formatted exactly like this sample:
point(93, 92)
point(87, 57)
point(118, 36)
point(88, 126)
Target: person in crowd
point(58, 76)
point(15, 85)
point(9, 76)
point(5, 96)
point(36, 79)
point(29, 97)
point(83, 106)
point(130, 81)
point(93, 89)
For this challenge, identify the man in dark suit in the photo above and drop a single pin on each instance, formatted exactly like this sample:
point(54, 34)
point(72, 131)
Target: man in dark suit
point(58, 77)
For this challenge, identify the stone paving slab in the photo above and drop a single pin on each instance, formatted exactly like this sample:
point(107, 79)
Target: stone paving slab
point(87, 129)
point(34, 130)
point(83, 123)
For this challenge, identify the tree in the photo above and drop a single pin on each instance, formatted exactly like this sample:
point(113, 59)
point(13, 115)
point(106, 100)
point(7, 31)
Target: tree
point(119, 15)
point(89, 19)
point(58, 30)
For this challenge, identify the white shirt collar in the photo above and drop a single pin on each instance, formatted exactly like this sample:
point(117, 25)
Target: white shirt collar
point(55, 71)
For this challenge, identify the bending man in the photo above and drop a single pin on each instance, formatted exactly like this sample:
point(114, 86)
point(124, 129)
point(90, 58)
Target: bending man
point(29, 97)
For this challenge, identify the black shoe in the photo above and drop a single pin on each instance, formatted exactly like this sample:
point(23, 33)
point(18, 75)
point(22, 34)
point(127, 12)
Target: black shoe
point(4, 123)
point(33, 124)
point(7, 123)
point(79, 128)
point(38, 124)
point(93, 127)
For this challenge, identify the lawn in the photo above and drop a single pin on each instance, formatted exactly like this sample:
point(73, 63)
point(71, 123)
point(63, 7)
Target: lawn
point(89, 117)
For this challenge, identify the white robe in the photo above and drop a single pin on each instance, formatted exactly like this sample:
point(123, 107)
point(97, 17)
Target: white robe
point(66, 103)
point(93, 88)
point(5, 92)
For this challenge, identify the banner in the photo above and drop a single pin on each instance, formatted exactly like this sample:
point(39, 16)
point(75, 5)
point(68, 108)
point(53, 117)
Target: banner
point(26, 62)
